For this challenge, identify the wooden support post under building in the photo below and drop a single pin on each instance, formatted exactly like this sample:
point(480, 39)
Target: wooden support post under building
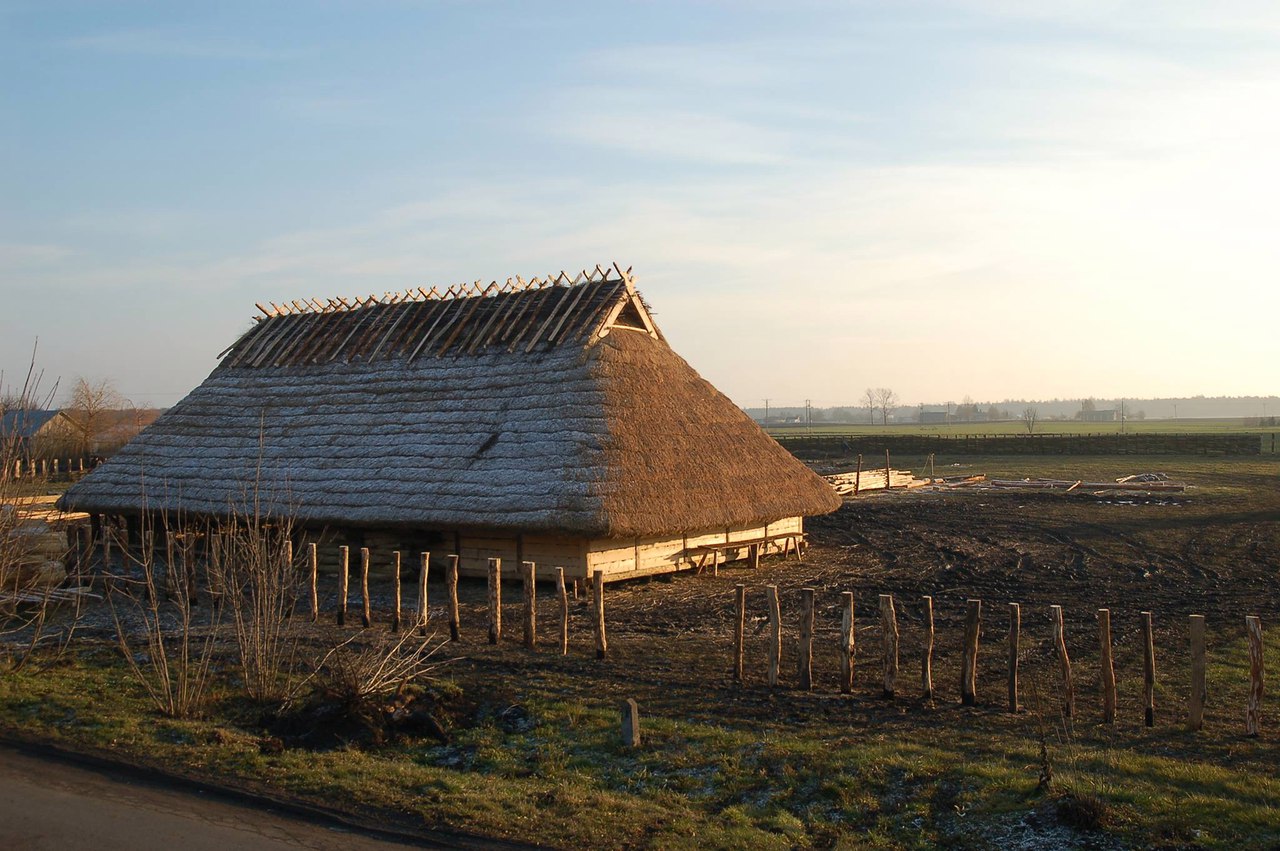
point(313, 565)
point(451, 580)
point(1107, 678)
point(344, 579)
point(1253, 712)
point(396, 601)
point(740, 624)
point(806, 639)
point(847, 632)
point(969, 658)
point(1064, 661)
point(889, 643)
point(630, 723)
point(753, 556)
point(529, 581)
point(1148, 670)
point(597, 602)
point(1015, 635)
point(775, 632)
point(366, 613)
point(1199, 691)
point(423, 615)
point(563, 593)
point(926, 652)
point(495, 600)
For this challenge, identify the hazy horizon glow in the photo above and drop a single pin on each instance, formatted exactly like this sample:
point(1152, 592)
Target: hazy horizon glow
point(991, 199)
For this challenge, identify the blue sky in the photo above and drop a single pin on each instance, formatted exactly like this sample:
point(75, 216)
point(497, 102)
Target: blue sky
point(993, 199)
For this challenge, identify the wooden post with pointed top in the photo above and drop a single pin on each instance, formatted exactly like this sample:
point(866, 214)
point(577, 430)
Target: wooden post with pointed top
point(495, 600)
point(806, 639)
point(1199, 691)
point(926, 653)
point(775, 633)
point(451, 580)
point(630, 723)
point(529, 581)
point(969, 658)
point(423, 613)
point(313, 566)
point(597, 602)
point(740, 600)
point(1064, 661)
point(1107, 680)
point(1015, 634)
point(889, 643)
point(857, 476)
point(344, 581)
point(564, 611)
point(365, 614)
point(888, 479)
point(395, 589)
point(1148, 670)
point(1253, 712)
point(847, 632)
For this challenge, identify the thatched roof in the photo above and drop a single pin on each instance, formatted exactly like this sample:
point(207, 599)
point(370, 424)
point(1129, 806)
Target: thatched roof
point(550, 406)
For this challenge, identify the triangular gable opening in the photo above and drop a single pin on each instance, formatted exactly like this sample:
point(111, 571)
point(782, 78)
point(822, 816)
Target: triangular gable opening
point(630, 314)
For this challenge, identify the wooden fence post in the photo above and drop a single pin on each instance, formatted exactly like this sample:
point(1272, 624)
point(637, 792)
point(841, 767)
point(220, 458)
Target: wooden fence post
point(344, 581)
point(1107, 680)
point(1253, 713)
point(857, 477)
point(424, 603)
point(395, 590)
point(1064, 661)
point(495, 600)
point(597, 600)
point(365, 614)
point(529, 577)
point(775, 632)
point(740, 600)
point(630, 723)
point(753, 556)
point(1015, 634)
point(926, 654)
point(1199, 691)
point(1148, 670)
point(288, 571)
point(564, 611)
point(806, 639)
point(889, 643)
point(847, 639)
point(451, 580)
point(313, 565)
point(969, 659)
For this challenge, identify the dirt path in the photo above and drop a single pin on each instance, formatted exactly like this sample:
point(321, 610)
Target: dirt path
point(50, 804)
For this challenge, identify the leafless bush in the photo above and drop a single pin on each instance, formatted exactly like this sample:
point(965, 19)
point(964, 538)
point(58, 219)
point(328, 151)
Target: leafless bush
point(30, 568)
point(354, 671)
point(156, 625)
point(251, 559)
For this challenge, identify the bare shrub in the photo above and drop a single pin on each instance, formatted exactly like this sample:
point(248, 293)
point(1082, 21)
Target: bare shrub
point(354, 671)
point(157, 629)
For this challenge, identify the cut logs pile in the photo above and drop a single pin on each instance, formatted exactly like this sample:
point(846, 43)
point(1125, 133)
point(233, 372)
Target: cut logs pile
point(849, 484)
point(1146, 482)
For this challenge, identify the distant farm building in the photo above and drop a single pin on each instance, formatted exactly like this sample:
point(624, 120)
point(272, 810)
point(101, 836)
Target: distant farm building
point(1107, 416)
point(546, 421)
point(935, 417)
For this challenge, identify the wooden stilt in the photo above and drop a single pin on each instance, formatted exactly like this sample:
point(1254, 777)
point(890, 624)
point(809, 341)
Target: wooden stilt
point(529, 580)
point(424, 603)
point(366, 618)
point(451, 580)
point(344, 577)
point(495, 600)
point(597, 588)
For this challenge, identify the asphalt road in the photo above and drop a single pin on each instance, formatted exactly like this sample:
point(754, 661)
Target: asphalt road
point(52, 804)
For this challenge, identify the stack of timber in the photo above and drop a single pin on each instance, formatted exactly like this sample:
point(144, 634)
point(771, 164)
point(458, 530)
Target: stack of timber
point(853, 483)
point(1127, 483)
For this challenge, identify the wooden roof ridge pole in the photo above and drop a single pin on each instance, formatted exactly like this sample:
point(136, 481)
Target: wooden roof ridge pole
point(514, 322)
point(528, 319)
point(381, 318)
point(564, 297)
point(307, 348)
point(477, 338)
point(404, 311)
point(267, 314)
point(355, 326)
point(323, 341)
point(400, 341)
point(513, 306)
point(459, 325)
point(448, 304)
point(568, 311)
point(300, 335)
point(289, 340)
point(595, 322)
point(283, 325)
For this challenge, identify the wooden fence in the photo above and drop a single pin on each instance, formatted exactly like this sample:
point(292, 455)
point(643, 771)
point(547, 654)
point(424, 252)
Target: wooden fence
point(817, 444)
point(49, 469)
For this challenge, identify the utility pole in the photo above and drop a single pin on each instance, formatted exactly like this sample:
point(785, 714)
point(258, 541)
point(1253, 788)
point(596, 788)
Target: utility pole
point(808, 414)
point(766, 413)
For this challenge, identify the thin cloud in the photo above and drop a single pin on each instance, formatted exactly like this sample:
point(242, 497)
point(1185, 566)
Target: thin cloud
point(175, 44)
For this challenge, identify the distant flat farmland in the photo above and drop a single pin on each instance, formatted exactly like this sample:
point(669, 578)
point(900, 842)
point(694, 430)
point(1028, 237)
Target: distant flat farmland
point(1234, 425)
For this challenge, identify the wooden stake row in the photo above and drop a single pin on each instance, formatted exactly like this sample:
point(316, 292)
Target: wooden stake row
point(969, 655)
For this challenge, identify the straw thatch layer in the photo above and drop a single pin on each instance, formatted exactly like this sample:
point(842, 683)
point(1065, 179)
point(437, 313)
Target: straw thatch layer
point(618, 438)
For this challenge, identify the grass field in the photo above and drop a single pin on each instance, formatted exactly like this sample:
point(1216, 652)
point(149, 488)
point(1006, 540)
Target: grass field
point(535, 753)
point(1182, 426)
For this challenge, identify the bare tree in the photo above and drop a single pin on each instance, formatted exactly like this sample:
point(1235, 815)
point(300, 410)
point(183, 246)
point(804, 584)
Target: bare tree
point(1029, 416)
point(886, 400)
point(870, 398)
point(89, 409)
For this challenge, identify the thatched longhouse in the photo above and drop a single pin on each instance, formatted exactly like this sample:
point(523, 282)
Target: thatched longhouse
point(546, 421)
